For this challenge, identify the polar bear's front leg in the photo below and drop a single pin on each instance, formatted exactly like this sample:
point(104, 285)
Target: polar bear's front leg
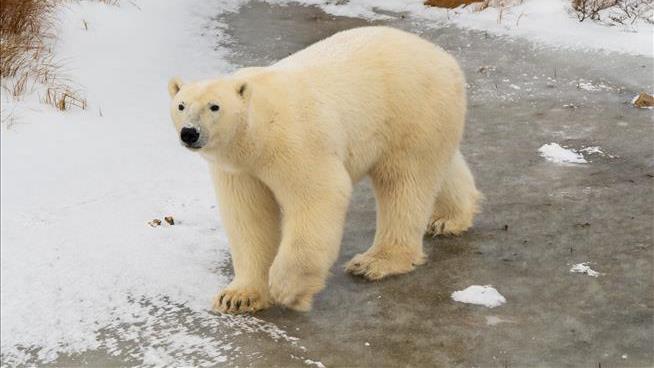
point(250, 216)
point(314, 209)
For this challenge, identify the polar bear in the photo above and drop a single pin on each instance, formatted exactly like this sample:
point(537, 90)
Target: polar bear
point(285, 143)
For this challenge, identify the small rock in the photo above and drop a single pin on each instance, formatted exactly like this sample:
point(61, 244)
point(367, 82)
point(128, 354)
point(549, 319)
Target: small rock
point(155, 222)
point(643, 100)
point(169, 219)
point(485, 69)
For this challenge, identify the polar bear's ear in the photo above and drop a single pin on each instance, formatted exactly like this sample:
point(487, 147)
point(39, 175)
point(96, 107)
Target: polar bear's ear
point(244, 90)
point(174, 85)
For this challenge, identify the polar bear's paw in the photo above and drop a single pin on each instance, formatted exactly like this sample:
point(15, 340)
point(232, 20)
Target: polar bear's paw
point(240, 300)
point(377, 265)
point(448, 227)
point(294, 286)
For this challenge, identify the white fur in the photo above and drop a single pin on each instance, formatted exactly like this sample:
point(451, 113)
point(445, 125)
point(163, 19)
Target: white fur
point(291, 139)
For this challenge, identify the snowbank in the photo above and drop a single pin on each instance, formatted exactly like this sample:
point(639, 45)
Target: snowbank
point(548, 22)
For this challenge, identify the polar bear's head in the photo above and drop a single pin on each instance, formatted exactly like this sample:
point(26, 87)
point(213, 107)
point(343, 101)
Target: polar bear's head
point(208, 115)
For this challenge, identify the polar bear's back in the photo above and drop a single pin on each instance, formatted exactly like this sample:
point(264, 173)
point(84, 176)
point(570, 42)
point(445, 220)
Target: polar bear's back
point(375, 90)
point(369, 48)
point(354, 43)
point(341, 46)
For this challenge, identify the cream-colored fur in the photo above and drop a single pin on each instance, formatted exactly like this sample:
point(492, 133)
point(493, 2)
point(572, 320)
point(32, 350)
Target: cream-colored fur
point(290, 140)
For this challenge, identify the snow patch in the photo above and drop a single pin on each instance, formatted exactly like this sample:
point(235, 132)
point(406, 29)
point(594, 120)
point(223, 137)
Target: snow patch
point(555, 153)
point(596, 150)
point(592, 150)
point(590, 86)
point(480, 295)
point(314, 363)
point(584, 268)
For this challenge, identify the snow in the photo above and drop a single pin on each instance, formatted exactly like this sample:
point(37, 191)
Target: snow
point(584, 268)
point(547, 22)
point(592, 150)
point(557, 154)
point(480, 295)
point(310, 362)
point(590, 86)
point(81, 269)
point(596, 151)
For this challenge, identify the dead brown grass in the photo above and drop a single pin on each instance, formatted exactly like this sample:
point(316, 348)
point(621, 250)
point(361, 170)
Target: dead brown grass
point(63, 99)
point(24, 26)
point(644, 100)
point(25, 57)
point(591, 8)
point(449, 3)
point(618, 11)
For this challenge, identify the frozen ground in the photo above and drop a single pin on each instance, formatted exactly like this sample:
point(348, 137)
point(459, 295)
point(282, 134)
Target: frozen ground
point(85, 280)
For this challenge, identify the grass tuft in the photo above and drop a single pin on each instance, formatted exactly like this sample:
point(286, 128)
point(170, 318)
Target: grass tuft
point(25, 56)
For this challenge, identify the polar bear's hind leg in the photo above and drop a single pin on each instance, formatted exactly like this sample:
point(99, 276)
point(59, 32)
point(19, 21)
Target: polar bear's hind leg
point(457, 202)
point(405, 192)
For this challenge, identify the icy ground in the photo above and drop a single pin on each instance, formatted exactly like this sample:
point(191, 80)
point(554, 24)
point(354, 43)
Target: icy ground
point(81, 269)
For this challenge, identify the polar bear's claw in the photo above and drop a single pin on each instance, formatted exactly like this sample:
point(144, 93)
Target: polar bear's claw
point(446, 227)
point(239, 301)
point(376, 266)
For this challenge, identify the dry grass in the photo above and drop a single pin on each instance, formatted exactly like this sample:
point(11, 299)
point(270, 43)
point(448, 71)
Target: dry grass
point(449, 3)
point(614, 11)
point(23, 30)
point(501, 4)
point(25, 57)
point(589, 9)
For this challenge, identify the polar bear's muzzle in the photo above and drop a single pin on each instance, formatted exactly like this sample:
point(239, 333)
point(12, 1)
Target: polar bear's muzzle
point(191, 137)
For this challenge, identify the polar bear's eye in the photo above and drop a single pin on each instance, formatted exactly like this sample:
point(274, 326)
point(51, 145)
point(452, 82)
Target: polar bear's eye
point(180, 107)
point(214, 108)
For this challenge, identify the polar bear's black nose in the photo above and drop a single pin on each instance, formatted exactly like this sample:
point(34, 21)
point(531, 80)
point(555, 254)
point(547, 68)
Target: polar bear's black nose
point(189, 135)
